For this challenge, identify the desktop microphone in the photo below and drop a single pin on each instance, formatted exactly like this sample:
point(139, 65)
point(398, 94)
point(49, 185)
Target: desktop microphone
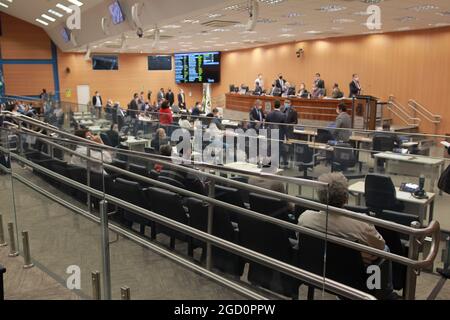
point(421, 194)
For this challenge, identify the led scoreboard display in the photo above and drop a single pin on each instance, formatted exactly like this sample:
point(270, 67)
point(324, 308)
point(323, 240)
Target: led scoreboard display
point(197, 67)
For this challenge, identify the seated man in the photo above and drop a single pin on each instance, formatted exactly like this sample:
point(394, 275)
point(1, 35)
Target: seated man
point(104, 156)
point(336, 195)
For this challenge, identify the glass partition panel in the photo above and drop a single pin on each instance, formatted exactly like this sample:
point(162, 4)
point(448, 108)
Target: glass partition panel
point(63, 235)
point(7, 210)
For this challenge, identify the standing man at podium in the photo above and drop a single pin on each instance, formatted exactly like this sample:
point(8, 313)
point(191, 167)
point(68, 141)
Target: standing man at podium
point(355, 86)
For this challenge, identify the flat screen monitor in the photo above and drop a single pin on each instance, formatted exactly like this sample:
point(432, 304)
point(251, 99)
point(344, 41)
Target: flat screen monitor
point(65, 33)
point(197, 67)
point(105, 62)
point(116, 13)
point(163, 63)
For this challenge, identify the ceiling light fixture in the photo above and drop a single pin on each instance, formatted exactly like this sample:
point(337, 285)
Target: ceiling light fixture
point(64, 8)
point(55, 13)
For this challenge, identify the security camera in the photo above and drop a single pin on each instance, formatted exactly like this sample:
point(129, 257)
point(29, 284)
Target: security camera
point(300, 53)
point(140, 32)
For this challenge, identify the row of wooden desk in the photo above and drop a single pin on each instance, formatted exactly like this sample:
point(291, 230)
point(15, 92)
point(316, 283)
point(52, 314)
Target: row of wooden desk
point(309, 109)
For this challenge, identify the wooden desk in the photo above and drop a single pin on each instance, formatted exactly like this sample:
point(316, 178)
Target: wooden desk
point(423, 204)
point(412, 165)
point(311, 109)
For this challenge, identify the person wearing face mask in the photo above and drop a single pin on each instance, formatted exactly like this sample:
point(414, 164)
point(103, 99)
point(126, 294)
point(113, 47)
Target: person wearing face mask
point(280, 82)
point(355, 87)
point(291, 119)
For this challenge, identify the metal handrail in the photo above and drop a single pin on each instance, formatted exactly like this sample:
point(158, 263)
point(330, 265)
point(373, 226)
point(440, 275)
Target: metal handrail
point(401, 109)
point(433, 229)
point(417, 107)
point(314, 279)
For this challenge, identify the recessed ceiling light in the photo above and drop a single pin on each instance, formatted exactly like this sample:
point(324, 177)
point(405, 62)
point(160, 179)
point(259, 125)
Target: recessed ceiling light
point(55, 13)
point(444, 13)
point(63, 7)
point(171, 26)
point(422, 8)
point(76, 2)
point(313, 32)
point(220, 30)
point(332, 8)
point(191, 21)
point(293, 15)
point(286, 30)
point(4, 5)
point(271, 2)
point(214, 15)
point(42, 22)
point(287, 35)
point(404, 29)
point(266, 20)
point(48, 17)
point(343, 20)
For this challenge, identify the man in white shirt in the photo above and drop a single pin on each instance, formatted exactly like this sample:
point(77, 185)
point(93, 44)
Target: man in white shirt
point(260, 80)
point(104, 156)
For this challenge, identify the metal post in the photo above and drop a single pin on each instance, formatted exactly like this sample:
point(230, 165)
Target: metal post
point(211, 194)
point(96, 290)
point(125, 293)
point(12, 240)
point(105, 250)
point(88, 178)
point(26, 251)
point(409, 293)
point(2, 233)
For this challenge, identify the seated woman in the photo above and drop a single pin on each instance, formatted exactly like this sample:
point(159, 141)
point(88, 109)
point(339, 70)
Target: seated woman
point(336, 195)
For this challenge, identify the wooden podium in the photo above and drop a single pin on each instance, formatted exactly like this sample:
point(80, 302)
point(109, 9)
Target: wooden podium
point(364, 114)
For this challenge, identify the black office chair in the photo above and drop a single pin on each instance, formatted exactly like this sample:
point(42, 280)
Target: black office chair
point(398, 243)
point(132, 192)
point(345, 158)
point(382, 143)
point(269, 206)
point(138, 169)
point(324, 136)
point(343, 265)
point(380, 194)
point(106, 139)
point(305, 159)
point(170, 205)
point(231, 196)
point(273, 241)
point(223, 228)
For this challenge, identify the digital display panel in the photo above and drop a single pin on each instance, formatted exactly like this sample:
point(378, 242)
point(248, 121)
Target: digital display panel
point(197, 67)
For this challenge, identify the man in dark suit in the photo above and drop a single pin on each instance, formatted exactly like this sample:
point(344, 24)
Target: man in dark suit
point(275, 120)
point(280, 82)
point(182, 100)
point(291, 118)
point(97, 102)
point(133, 107)
point(170, 97)
point(256, 116)
point(320, 84)
point(133, 112)
point(355, 86)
